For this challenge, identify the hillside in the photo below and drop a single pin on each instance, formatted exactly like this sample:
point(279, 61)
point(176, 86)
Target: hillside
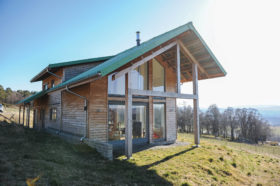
point(25, 153)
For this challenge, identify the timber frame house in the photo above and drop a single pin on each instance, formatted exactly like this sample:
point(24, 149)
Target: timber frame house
point(117, 102)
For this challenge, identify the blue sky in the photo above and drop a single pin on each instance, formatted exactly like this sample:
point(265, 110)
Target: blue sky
point(242, 35)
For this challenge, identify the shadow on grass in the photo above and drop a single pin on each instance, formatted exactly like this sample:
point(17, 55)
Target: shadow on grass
point(168, 158)
point(27, 153)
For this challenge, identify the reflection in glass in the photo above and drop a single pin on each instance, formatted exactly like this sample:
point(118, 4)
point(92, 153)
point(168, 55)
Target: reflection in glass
point(158, 76)
point(116, 123)
point(158, 121)
point(140, 77)
point(139, 121)
point(116, 86)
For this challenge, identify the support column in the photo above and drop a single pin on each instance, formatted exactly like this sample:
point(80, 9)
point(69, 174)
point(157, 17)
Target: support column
point(28, 116)
point(195, 106)
point(23, 116)
point(150, 84)
point(19, 114)
point(178, 70)
point(128, 116)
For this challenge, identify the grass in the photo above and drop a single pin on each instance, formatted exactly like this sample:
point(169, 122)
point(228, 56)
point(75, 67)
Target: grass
point(11, 113)
point(25, 153)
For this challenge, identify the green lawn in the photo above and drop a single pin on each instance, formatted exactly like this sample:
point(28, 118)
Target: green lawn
point(25, 153)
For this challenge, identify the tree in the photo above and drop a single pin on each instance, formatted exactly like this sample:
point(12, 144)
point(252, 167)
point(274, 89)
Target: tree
point(230, 119)
point(213, 115)
point(2, 94)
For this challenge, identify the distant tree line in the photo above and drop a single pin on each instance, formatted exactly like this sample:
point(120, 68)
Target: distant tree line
point(244, 124)
point(11, 97)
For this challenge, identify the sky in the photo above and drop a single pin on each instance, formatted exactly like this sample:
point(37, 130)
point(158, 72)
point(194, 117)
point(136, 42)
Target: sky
point(243, 35)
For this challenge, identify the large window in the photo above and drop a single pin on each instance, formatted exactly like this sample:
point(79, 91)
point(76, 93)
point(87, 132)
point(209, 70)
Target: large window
point(139, 121)
point(158, 76)
point(139, 78)
point(158, 121)
point(117, 86)
point(116, 123)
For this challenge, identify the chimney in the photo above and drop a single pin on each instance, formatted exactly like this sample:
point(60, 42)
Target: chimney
point(138, 38)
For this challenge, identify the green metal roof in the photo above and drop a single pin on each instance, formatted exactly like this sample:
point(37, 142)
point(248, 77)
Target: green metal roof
point(126, 56)
point(77, 62)
point(68, 63)
point(34, 96)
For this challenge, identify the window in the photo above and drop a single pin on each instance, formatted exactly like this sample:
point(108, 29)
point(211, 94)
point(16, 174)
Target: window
point(139, 77)
point(117, 86)
point(53, 114)
point(158, 76)
point(116, 125)
point(116, 122)
point(158, 121)
point(45, 86)
point(52, 84)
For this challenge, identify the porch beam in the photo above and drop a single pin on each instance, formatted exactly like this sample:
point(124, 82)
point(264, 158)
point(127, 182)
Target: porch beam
point(162, 94)
point(178, 70)
point(128, 116)
point(188, 54)
point(144, 60)
point(195, 106)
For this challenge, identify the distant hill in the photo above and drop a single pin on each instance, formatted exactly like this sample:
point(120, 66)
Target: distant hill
point(271, 113)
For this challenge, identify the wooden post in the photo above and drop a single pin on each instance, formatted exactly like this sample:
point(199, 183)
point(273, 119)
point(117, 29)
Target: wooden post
point(195, 106)
point(150, 84)
point(28, 116)
point(178, 70)
point(19, 114)
point(23, 116)
point(128, 116)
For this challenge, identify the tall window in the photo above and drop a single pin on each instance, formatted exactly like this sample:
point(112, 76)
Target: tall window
point(158, 76)
point(45, 86)
point(139, 78)
point(116, 122)
point(158, 121)
point(117, 86)
point(52, 83)
point(53, 114)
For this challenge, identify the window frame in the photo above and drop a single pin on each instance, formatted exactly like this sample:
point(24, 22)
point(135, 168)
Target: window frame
point(52, 83)
point(52, 113)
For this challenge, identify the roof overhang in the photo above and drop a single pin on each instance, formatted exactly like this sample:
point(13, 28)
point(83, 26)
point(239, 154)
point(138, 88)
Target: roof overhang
point(190, 40)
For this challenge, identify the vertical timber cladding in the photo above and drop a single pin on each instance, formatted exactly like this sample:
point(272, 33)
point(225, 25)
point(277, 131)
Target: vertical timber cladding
point(98, 110)
point(74, 115)
point(53, 102)
point(52, 77)
point(171, 121)
point(72, 71)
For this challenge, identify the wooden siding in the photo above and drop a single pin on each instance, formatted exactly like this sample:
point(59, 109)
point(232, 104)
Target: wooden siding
point(52, 77)
point(74, 115)
point(53, 101)
point(98, 110)
point(72, 71)
point(171, 122)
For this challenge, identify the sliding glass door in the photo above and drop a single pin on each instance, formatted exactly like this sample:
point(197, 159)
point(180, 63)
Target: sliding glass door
point(116, 121)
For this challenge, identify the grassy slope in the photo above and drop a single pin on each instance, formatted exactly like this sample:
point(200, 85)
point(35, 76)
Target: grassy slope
point(25, 153)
